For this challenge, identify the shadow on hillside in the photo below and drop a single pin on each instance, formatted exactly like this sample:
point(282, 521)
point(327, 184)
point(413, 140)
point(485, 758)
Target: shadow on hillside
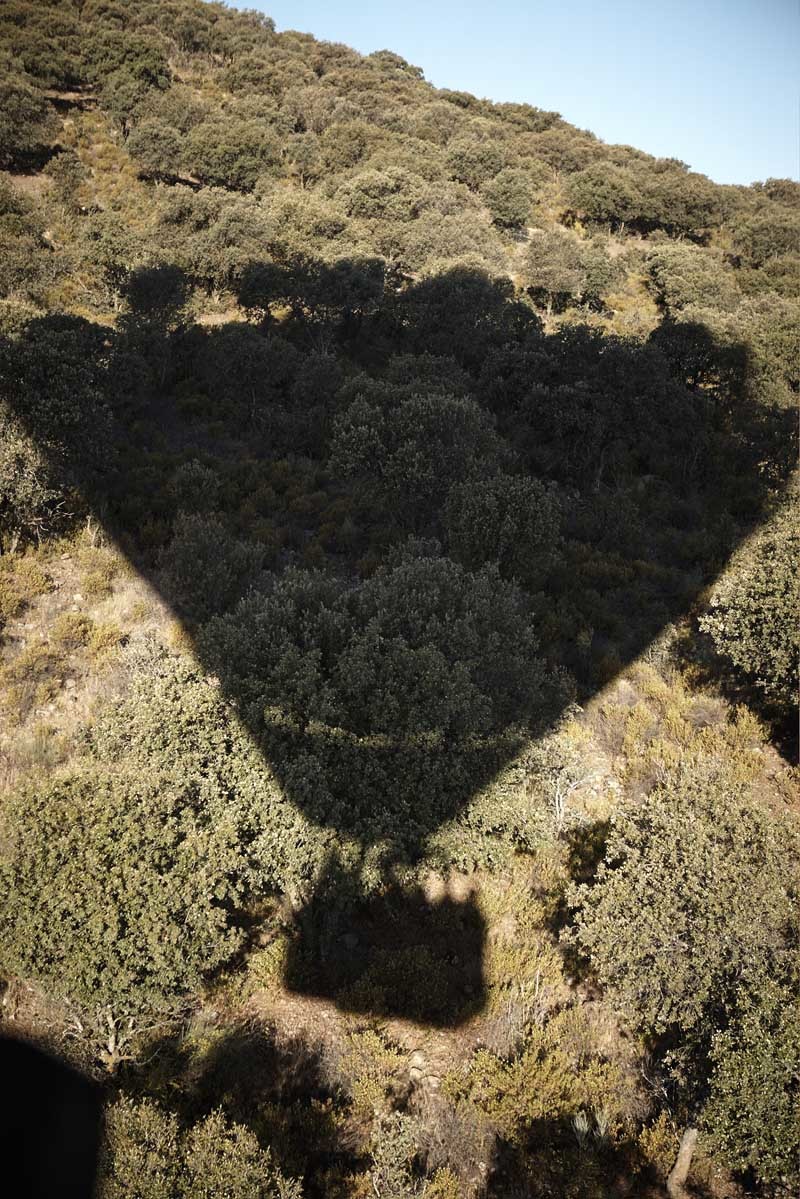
point(282, 1090)
point(402, 954)
point(51, 1121)
point(656, 446)
point(295, 1097)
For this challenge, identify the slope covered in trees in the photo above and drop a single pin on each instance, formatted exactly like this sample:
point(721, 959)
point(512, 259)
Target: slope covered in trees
point(397, 601)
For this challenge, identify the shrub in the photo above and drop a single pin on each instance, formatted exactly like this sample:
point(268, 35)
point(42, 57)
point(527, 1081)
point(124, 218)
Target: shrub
point(694, 903)
point(118, 888)
point(753, 1114)
point(422, 646)
point(150, 1155)
point(22, 579)
point(509, 197)
point(752, 615)
point(204, 569)
point(512, 521)
point(411, 454)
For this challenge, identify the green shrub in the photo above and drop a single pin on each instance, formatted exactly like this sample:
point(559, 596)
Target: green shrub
point(512, 521)
point(753, 1114)
point(694, 903)
point(204, 569)
point(118, 888)
point(752, 615)
point(149, 1155)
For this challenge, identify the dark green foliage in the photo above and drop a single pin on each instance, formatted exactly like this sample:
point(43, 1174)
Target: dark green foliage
point(604, 194)
point(682, 275)
point(156, 294)
point(553, 266)
point(463, 313)
point(173, 721)
point(45, 40)
point(753, 1114)
point(68, 173)
point(26, 124)
point(474, 162)
point(677, 953)
point(420, 648)
point(752, 616)
point(230, 151)
point(665, 197)
point(245, 374)
point(509, 197)
point(768, 234)
point(512, 521)
point(118, 887)
point(204, 568)
point(212, 235)
point(141, 56)
point(55, 421)
point(411, 455)
point(27, 264)
point(318, 293)
point(157, 149)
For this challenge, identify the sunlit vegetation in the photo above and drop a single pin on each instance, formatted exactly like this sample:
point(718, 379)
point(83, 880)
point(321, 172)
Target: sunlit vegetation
point(398, 638)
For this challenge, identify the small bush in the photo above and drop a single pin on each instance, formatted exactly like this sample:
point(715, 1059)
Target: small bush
point(150, 1155)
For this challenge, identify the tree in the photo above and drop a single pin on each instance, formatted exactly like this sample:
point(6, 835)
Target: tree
point(509, 520)
point(464, 312)
point(157, 149)
point(753, 608)
point(390, 195)
point(112, 248)
point(474, 161)
point(411, 455)
point(118, 887)
point(230, 151)
point(204, 570)
point(552, 266)
point(604, 194)
point(682, 274)
point(156, 295)
point(245, 374)
point(423, 647)
point(55, 423)
point(141, 56)
point(753, 1113)
point(509, 197)
point(26, 121)
point(121, 94)
point(68, 173)
point(304, 157)
point(767, 234)
point(693, 907)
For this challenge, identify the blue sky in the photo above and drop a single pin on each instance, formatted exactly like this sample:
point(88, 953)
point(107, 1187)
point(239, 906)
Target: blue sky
point(713, 82)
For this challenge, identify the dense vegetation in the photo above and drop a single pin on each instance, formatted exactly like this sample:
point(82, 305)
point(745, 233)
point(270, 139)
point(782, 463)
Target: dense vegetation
point(398, 600)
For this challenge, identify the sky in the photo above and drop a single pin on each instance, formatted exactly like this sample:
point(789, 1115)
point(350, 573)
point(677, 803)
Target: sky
point(712, 82)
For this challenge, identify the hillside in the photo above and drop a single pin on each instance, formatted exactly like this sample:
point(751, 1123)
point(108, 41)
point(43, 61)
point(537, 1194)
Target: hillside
point(398, 639)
